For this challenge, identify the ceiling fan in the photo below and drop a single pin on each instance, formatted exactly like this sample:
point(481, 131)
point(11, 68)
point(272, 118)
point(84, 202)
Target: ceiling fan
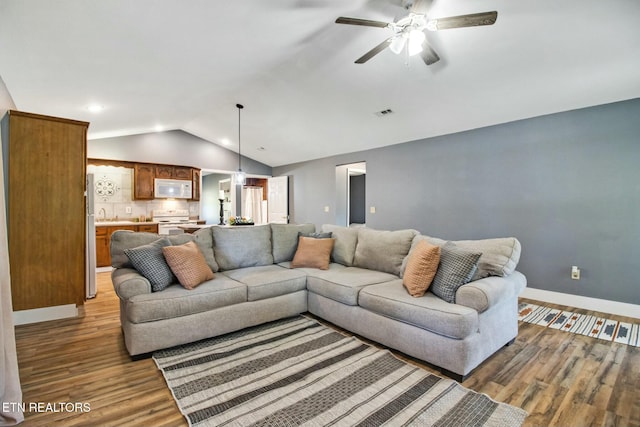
point(409, 31)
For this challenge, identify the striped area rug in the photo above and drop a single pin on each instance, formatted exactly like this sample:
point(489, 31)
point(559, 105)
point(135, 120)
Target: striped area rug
point(592, 326)
point(297, 372)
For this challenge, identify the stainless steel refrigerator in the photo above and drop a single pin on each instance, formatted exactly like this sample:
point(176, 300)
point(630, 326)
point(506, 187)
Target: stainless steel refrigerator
point(91, 239)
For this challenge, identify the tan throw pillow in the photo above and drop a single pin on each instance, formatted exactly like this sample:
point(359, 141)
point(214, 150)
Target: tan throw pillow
point(188, 264)
point(313, 253)
point(421, 268)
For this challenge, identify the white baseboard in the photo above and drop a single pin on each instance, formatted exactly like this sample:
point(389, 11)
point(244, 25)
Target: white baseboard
point(23, 317)
point(587, 303)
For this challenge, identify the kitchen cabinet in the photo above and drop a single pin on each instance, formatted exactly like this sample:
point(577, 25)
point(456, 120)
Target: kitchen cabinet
point(195, 184)
point(103, 239)
point(143, 176)
point(103, 258)
point(173, 172)
point(145, 173)
point(45, 180)
point(164, 171)
point(148, 228)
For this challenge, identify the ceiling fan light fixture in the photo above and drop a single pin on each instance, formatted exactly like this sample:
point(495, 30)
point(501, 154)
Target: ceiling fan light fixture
point(397, 44)
point(416, 38)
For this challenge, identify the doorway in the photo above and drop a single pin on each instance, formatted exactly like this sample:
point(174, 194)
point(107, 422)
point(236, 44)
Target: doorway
point(351, 194)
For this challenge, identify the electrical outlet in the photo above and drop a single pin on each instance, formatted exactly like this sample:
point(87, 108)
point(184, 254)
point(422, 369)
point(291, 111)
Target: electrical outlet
point(127, 209)
point(575, 272)
point(326, 208)
point(372, 209)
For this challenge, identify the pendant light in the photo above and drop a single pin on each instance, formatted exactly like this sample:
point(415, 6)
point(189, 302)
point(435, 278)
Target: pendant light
point(240, 176)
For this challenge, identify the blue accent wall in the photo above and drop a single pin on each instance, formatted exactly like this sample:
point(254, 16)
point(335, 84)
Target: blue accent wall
point(567, 185)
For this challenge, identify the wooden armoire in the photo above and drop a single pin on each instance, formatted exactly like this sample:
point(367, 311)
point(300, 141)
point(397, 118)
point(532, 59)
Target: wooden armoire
point(45, 180)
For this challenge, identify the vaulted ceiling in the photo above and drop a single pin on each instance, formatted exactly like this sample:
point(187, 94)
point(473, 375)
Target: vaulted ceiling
point(176, 64)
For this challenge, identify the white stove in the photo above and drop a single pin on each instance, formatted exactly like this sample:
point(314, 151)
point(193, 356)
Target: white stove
point(169, 219)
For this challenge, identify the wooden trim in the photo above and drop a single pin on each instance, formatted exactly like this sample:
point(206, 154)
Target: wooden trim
point(43, 117)
point(108, 162)
point(129, 164)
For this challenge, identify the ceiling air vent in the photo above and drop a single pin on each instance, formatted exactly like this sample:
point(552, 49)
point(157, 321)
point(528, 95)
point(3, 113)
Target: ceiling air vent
point(384, 112)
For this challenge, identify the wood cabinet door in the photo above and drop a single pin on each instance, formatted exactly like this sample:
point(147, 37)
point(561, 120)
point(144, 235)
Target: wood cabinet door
point(195, 184)
point(143, 175)
point(103, 257)
point(181, 172)
point(148, 228)
point(46, 181)
point(164, 171)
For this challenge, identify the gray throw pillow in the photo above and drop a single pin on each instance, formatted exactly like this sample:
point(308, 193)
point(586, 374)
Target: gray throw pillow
point(149, 261)
point(456, 268)
point(316, 235)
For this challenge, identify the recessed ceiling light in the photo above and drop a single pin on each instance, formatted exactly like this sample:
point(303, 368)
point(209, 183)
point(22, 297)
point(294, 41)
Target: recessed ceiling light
point(95, 108)
point(159, 128)
point(225, 141)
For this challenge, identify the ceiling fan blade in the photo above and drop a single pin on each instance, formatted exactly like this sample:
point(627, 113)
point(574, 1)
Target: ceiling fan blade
point(472, 20)
point(373, 52)
point(364, 22)
point(429, 56)
point(420, 6)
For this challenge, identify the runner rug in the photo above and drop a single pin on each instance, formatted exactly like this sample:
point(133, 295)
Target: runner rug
point(298, 372)
point(583, 324)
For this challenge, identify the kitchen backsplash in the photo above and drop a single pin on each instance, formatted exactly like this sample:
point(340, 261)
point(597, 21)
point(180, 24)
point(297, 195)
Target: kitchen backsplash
point(113, 195)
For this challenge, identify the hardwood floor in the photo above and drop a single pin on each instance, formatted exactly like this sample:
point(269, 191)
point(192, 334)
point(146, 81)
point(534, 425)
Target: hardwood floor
point(561, 379)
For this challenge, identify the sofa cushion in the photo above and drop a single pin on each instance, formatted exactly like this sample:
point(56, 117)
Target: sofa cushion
point(127, 239)
point(149, 261)
point(176, 301)
point(343, 284)
point(344, 247)
point(284, 239)
point(237, 247)
point(204, 239)
point(382, 250)
point(313, 253)
point(421, 268)
point(429, 312)
point(456, 268)
point(500, 256)
point(188, 264)
point(268, 281)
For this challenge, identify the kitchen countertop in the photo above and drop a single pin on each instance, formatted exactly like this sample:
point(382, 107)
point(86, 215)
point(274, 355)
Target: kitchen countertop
point(194, 226)
point(111, 223)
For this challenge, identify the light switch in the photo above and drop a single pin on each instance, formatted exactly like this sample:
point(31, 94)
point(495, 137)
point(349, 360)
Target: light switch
point(326, 208)
point(372, 209)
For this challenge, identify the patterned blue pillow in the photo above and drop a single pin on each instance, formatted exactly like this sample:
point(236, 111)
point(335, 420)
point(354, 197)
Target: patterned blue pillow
point(456, 268)
point(150, 262)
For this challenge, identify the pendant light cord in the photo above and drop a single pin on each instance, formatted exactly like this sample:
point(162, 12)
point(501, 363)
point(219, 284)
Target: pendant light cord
point(240, 107)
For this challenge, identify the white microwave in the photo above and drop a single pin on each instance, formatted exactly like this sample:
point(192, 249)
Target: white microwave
point(172, 189)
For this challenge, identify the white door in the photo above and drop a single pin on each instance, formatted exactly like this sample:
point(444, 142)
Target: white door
point(278, 199)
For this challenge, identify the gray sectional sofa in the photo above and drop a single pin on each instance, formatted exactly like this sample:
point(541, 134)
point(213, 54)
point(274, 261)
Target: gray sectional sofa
point(362, 291)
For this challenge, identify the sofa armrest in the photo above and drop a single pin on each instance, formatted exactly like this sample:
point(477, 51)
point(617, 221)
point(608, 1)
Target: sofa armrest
point(489, 291)
point(127, 282)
